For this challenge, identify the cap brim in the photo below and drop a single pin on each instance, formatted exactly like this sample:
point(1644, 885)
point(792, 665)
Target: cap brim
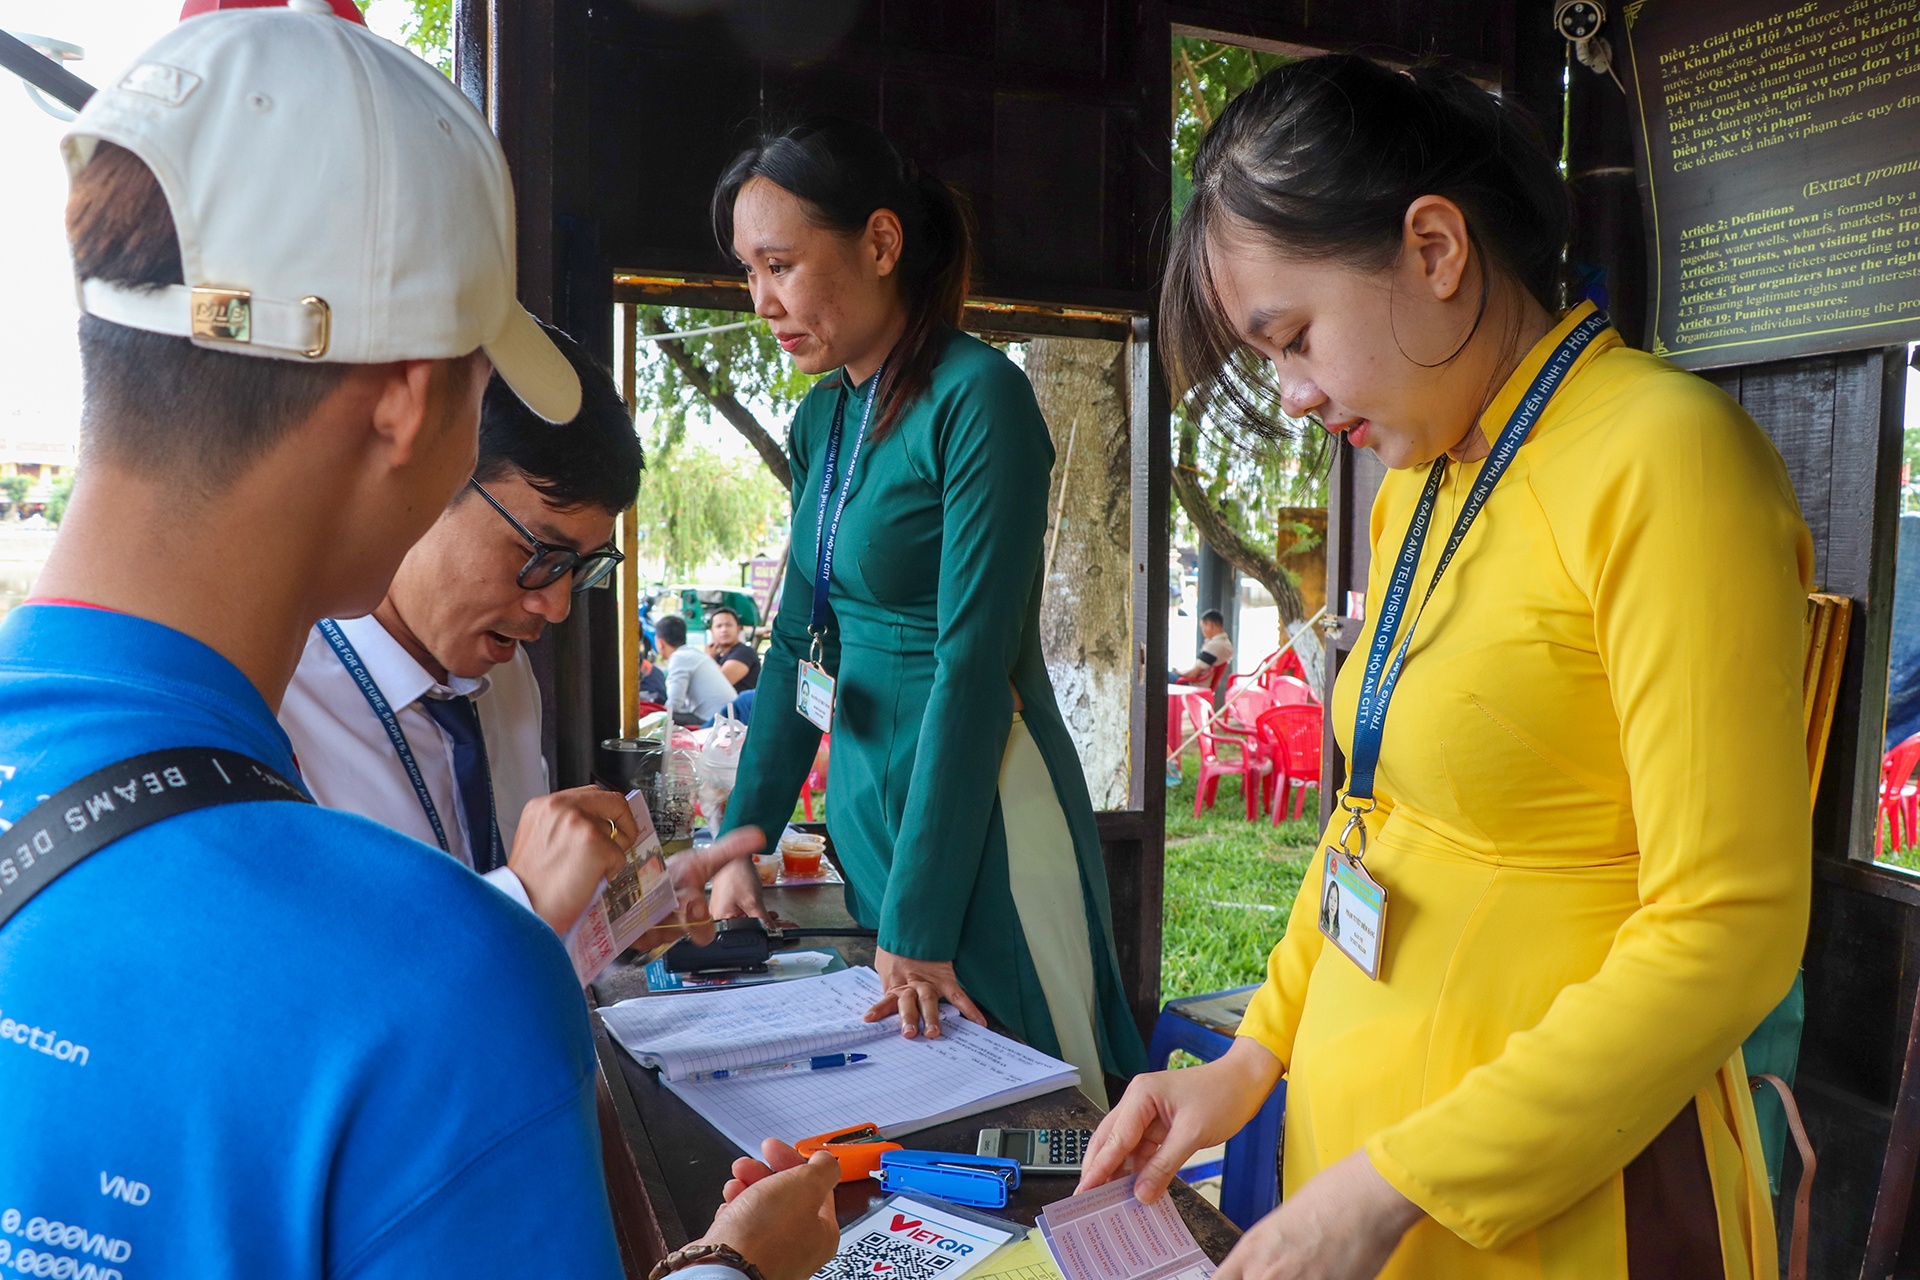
point(527, 361)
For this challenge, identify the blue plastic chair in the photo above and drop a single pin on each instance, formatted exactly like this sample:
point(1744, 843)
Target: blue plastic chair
point(1250, 1180)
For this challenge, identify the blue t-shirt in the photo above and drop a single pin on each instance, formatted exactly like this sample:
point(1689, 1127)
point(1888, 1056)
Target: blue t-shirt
point(268, 1039)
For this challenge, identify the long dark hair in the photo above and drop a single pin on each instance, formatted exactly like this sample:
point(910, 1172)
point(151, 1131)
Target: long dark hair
point(1320, 160)
point(843, 171)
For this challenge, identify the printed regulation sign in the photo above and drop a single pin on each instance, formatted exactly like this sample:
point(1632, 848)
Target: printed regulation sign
point(1777, 150)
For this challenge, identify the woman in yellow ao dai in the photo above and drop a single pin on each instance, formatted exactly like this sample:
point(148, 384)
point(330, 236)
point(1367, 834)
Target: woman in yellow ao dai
point(1590, 812)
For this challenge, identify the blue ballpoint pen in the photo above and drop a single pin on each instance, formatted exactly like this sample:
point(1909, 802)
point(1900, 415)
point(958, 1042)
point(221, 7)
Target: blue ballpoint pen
point(821, 1063)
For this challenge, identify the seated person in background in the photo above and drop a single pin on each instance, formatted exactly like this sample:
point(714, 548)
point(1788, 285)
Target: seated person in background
point(1215, 649)
point(653, 681)
point(452, 756)
point(697, 690)
point(739, 661)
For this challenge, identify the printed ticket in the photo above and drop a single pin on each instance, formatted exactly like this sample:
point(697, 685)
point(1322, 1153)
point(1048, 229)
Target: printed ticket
point(1105, 1234)
point(626, 906)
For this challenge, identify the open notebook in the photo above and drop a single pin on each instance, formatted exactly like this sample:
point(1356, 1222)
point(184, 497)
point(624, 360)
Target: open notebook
point(905, 1086)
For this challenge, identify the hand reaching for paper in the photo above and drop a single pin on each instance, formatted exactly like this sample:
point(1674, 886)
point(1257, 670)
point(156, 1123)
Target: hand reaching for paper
point(914, 989)
point(1166, 1116)
point(779, 1212)
point(736, 888)
point(691, 870)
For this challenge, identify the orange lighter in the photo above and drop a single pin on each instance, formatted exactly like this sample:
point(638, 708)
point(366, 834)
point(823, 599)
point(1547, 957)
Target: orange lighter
point(858, 1149)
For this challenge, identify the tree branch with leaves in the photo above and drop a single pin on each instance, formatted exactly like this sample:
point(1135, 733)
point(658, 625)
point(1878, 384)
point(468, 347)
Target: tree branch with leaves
point(1232, 495)
point(703, 380)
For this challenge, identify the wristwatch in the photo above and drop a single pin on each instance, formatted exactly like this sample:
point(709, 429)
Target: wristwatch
point(724, 1254)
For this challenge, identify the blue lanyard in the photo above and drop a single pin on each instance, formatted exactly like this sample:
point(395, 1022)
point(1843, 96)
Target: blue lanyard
point(830, 533)
point(1381, 676)
point(350, 659)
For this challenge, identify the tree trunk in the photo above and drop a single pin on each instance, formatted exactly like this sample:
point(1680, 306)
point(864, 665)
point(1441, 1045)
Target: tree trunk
point(1086, 612)
point(1212, 523)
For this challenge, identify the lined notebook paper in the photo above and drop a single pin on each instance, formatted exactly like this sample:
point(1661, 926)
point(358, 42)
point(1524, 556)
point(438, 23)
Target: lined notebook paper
point(722, 1030)
point(905, 1086)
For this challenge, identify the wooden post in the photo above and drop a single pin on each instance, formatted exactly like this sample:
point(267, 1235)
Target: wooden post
point(1136, 867)
point(629, 593)
point(1354, 480)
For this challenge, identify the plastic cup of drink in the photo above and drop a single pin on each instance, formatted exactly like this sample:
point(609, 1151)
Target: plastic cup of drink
point(801, 862)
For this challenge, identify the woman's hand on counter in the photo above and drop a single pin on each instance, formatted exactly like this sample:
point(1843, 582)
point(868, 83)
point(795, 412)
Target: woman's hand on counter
point(778, 1213)
point(1343, 1225)
point(914, 990)
point(1166, 1116)
point(736, 888)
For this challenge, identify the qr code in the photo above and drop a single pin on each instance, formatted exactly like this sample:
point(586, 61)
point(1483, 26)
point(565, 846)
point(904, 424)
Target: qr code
point(879, 1256)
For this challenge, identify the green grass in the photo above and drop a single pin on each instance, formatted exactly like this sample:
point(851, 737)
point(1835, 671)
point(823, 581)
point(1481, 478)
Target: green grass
point(1223, 874)
point(1904, 859)
point(1907, 859)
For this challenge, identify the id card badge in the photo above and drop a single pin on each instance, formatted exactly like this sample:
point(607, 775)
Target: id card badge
point(1353, 910)
point(814, 698)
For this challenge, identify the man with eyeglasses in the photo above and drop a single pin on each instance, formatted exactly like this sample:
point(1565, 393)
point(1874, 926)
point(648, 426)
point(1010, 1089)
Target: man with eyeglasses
point(424, 715)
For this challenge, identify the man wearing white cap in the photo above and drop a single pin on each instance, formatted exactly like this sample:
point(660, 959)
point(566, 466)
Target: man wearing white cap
point(241, 1035)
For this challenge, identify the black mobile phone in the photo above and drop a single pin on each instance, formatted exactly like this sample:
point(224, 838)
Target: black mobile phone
point(1038, 1150)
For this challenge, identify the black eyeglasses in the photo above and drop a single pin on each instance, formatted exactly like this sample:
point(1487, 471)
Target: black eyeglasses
point(551, 563)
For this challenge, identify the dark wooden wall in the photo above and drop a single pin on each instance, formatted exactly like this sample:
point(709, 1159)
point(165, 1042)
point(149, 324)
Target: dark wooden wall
point(1049, 115)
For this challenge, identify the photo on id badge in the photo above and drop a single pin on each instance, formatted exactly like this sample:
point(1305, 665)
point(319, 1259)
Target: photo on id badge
point(1353, 909)
point(815, 696)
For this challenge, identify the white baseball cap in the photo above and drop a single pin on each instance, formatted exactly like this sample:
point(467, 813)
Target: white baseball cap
point(336, 199)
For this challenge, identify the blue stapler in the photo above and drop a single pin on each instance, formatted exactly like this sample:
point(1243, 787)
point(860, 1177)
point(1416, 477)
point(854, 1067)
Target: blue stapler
point(979, 1181)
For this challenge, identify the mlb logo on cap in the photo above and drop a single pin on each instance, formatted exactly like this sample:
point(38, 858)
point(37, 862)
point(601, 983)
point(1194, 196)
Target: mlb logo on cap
point(335, 198)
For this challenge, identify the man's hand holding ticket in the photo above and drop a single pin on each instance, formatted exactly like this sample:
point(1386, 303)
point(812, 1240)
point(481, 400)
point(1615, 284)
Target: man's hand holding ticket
point(647, 902)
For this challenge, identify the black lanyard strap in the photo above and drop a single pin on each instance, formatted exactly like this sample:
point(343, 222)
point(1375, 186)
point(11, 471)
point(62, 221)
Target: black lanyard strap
point(72, 825)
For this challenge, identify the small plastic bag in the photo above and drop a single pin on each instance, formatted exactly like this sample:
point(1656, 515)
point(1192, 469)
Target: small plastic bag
point(718, 765)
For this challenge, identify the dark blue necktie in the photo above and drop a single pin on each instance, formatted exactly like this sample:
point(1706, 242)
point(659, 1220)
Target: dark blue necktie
point(459, 720)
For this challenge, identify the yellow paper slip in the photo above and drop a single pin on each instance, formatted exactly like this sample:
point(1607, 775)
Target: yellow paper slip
point(1026, 1259)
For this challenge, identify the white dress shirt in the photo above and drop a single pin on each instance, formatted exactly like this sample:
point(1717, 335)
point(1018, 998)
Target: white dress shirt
point(348, 762)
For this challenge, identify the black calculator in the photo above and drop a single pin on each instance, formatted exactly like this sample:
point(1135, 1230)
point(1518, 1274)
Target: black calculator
point(1038, 1150)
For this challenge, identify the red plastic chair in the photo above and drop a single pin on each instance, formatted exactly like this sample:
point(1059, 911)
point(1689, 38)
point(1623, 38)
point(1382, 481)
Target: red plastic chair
point(1244, 705)
point(1290, 691)
point(1215, 674)
point(1287, 664)
point(816, 776)
point(1244, 758)
point(1899, 796)
point(1291, 737)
